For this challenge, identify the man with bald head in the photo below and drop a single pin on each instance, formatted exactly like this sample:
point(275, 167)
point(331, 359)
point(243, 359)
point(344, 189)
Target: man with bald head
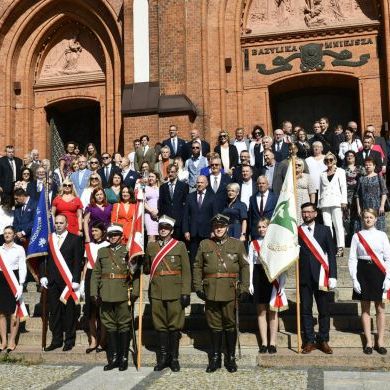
point(187, 149)
point(198, 211)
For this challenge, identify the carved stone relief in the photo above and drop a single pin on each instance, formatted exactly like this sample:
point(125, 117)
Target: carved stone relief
point(293, 15)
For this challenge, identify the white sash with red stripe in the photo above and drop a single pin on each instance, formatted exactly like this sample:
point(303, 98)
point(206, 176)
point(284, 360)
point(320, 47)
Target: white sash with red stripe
point(319, 254)
point(160, 255)
point(64, 270)
point(278, 301)
point(379, 263)
point(21, 310)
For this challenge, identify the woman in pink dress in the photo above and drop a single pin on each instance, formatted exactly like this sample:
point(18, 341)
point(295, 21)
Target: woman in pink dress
point(152, 192)
point(68, 204)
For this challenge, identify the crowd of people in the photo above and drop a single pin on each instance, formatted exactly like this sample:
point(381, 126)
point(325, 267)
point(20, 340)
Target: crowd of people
point(217, 204)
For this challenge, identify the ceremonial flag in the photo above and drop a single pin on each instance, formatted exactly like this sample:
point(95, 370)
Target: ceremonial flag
point(280, 248)
point(135, 245)
point(39, 243)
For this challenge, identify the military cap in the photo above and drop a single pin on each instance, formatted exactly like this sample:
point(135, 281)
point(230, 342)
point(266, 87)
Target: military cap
point(114, 229)
point(220, 219)
point(165, 220)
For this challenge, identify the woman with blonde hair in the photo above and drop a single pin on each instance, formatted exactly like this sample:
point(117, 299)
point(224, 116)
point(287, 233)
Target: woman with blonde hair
point(94, 181)
point(227, 152)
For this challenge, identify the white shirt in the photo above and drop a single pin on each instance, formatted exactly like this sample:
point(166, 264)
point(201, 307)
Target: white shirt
point(355, 145)
point(240, 146)
point(246, 192)
point(269, 173)
point(306, 228)
point(225, 157)
point(81, 175)
point(131, 157)
point(94, 250)
point(6, 218)
point(265, 197)
point(15, 258)
point(62, 236)
point(252, 151)
point(316, 167)
point(212, 180)
point(86, 197)
point(253, 256)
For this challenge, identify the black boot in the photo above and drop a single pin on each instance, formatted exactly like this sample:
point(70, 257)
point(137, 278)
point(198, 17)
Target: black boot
point(174, 340)
point(215, 356)
point(112, 351)
point(230, 362)
point(124, 345)
point(163, 356)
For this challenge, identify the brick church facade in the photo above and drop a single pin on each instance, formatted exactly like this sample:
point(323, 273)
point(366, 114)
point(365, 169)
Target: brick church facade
point(108, 71)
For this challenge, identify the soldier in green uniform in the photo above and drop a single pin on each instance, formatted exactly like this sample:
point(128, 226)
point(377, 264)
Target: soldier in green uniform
point(111, 283)
point(166, 260)
point(221, 271)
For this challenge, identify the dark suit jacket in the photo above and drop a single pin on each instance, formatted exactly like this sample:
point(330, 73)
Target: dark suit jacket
point(6, 176)
point(197, 221)
point(308, 265)
point(302, 151)
point(23, 221)
point(221, 194)
point(282, 153)
point(254, 212)
point(187, 150)
point(179, 147)
point(382, 143)
point(373, 154)
point(72, 251)
point(237, 173)
point(173, 207)
point(258, 157)
point(114, 169)
point(233, 155)
point(131, 179)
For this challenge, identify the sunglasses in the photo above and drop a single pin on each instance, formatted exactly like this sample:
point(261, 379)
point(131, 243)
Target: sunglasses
point(328, 160)
point(94, 178)
point(257, 133)
point(67, 185)
point(195, 147)
point(94, 162)
point(298, 165)
point(214, 165)
point(105, 158)
point(223, 135)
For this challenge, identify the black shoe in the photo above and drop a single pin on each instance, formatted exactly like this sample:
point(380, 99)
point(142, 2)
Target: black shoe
point(124, 344)
point(52, 347)
point(230, 362)
point(174, 341)
point(263, 349)
point(89, 350)
point(112, 351)
point(163, 360)
point(215, 356)
point(67, 347)
point(272, 349)
point(367, 350)
point(382, 350)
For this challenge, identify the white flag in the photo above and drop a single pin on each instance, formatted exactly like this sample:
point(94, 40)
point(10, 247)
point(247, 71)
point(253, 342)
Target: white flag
point(280, 248)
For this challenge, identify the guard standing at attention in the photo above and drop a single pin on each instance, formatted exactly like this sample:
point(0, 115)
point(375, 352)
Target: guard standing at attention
point(221, 274)
point(166, 260)
point(113, 287)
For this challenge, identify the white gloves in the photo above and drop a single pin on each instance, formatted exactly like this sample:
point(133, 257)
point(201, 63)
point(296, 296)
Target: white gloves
point(44, 282)
point(82, 289)
point(251, 289)
point(19, 292)
point(332, 283)
point(386, 284)
point(75, 286)
point(356, 286)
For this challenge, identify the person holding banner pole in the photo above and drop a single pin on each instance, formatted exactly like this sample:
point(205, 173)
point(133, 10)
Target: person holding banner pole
point(13, 271)
point(369, 267)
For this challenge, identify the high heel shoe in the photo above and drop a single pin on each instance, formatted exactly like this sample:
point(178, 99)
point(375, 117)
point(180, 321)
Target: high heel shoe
point(11, 349)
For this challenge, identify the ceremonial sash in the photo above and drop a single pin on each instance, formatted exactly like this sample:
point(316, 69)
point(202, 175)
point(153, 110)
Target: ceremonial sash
point(90, 258)
point(160, 255)
point(278, 301)
point(380, 264)
point(65, 273)
point(21, 310)
point(320, 255)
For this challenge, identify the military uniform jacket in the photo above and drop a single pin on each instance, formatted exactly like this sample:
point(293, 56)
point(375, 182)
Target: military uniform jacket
point(169, 287)
point(111, 290)
point(207, 262)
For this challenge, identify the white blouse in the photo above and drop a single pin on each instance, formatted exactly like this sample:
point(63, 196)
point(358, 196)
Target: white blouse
point(15, 258)
point(94, 250)
point(378, 242)
point(253, 256)
point(6, 218)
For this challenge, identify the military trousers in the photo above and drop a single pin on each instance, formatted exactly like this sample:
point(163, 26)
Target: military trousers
point(167, 315)
point(115, 316)
point(220, 315)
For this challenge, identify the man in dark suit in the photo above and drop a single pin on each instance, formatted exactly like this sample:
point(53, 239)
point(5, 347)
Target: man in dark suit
point(279, 147)
point(368, 152)
point(217, 183)
point(266, 143)
point(23, 215)
point(270, 167)
point(172, 198)
point(198, 211)
point(35, 187)
point(107, 170)
point(10, 170)
point(245, 159)
point(174, 143)
point(261, 204)
point(311, 283)
point(62, 316)
point(187, 149)
point(130, 177)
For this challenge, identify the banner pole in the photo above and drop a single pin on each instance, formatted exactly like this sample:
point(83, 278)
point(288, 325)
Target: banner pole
point(297, 290)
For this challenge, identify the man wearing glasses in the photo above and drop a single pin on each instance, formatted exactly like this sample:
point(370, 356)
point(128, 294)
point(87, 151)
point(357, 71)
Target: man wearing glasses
point(94, 165)
point(81, 176)
point(194, 165)
point(187, 149)
point(107, 170)
point(217, 183)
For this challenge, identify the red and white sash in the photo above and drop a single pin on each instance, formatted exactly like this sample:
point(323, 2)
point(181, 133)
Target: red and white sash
point(278, 301)
point(21, 310)
point(64, 270)
point(91, 259)
point(160, 255)
point(379, 263)
point(320, 255)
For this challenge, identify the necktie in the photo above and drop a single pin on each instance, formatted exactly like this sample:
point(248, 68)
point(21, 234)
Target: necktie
point(278, 147)
point(23, 209)
point(107, 173)
point(215, 184)
point(59, 241)
point(174, 146)
point(171, 190)
point(309, 228)
point(261, 205)
point(144, 150)
point(200, 199)
point(39, 187)
point(12, 163)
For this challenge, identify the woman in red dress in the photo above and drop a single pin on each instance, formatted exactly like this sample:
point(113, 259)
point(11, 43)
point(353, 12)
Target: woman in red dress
point(123, 212)
point(68, 204)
